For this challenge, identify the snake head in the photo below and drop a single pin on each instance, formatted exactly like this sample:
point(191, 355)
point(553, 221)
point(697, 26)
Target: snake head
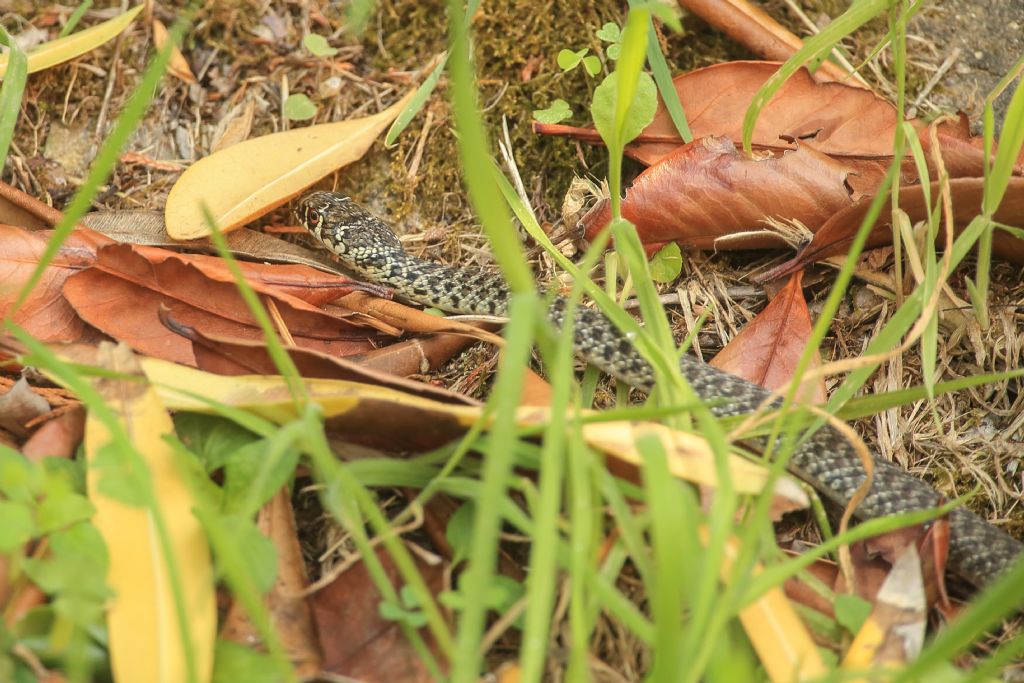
point(346, 228)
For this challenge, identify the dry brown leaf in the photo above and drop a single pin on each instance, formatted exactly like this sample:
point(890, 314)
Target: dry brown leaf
point(841, 120)
point(358, 642)
point(767, 350)
point(249, 179)
point(226, 356)
point(57, 437)
point(706, 190)
point(46, 314)
point(290, 613)
point(836, 234)
point(894, 633)
point(20, 405)
point(235, 127)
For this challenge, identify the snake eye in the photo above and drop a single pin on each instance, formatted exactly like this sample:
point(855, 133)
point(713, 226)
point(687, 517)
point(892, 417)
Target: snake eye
point(313, 218)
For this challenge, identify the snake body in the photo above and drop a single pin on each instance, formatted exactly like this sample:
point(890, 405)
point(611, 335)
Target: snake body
point(978, 551)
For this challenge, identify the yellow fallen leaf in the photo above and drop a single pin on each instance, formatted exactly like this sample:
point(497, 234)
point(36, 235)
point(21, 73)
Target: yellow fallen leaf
point(178, 65)
point(69, 47)
point(247, 180)
point(690, 457)
point(779, 637)
point(146, 643)
point(353, 405)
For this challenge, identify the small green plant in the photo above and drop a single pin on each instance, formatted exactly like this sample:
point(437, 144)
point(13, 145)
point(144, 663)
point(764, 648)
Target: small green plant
point(318, 45)
point(567, 60)
point(298, 107)
point(611, 33)
point(570, 59)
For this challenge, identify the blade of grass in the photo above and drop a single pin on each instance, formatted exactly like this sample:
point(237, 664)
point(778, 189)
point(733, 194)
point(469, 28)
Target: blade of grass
point(497, 467)
point(814, 48)
point(74, 18)
point(11, 91)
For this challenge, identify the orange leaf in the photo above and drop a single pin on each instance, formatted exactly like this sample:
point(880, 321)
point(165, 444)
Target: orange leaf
point(706, 190)
point(767, 350)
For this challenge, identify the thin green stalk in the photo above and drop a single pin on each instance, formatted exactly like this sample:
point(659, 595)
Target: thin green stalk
point(11, 91)
point(496, 469)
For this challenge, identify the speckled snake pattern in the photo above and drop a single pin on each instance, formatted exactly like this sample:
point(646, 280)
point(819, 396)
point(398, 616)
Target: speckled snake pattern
point(366, 245)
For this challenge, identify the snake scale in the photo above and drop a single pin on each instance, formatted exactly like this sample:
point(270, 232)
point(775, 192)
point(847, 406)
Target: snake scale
point(978, 551)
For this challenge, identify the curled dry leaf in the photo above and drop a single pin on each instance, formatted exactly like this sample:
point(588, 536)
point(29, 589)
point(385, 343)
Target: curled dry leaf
point(250, 178)
point(689, 457)
point(706, 191)
point(757, 30)
point(776, 632)
point(836, 234)
point(849, 123)
point(147, 228)
point(894, 632)
point(227, 356)
point(122, 295)
point(291, 614)
point(841, 120)
point(20, 405)
point(178, 65)
point(768, 349)
point(57, 437)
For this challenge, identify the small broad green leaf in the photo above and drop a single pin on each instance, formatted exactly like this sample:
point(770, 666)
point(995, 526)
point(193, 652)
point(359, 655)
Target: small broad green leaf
point(459, 531)
point(213, 438)
point(569, 59)
point(74, 572)
point(592, 65)
point(257, 549)
point(558, 111)
point(298, 107)
point(17, 527)
point(641, 111)
point(504, 593)
point(614, 51)
point(234, 662)
point(254, 473)
point(59, 510)
point(408, 612)
point(17, 481)
point(609, 33)
point(317, 44)
point(667, 263)
point(852, 611)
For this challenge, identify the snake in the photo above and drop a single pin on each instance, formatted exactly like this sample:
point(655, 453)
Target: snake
point(368, 246)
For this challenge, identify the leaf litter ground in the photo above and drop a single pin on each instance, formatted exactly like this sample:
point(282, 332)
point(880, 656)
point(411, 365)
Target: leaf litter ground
point(242, 53)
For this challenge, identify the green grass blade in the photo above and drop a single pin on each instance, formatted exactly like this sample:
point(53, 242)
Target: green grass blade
point(11, 91)
point(423, 93)
point(860, 12)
